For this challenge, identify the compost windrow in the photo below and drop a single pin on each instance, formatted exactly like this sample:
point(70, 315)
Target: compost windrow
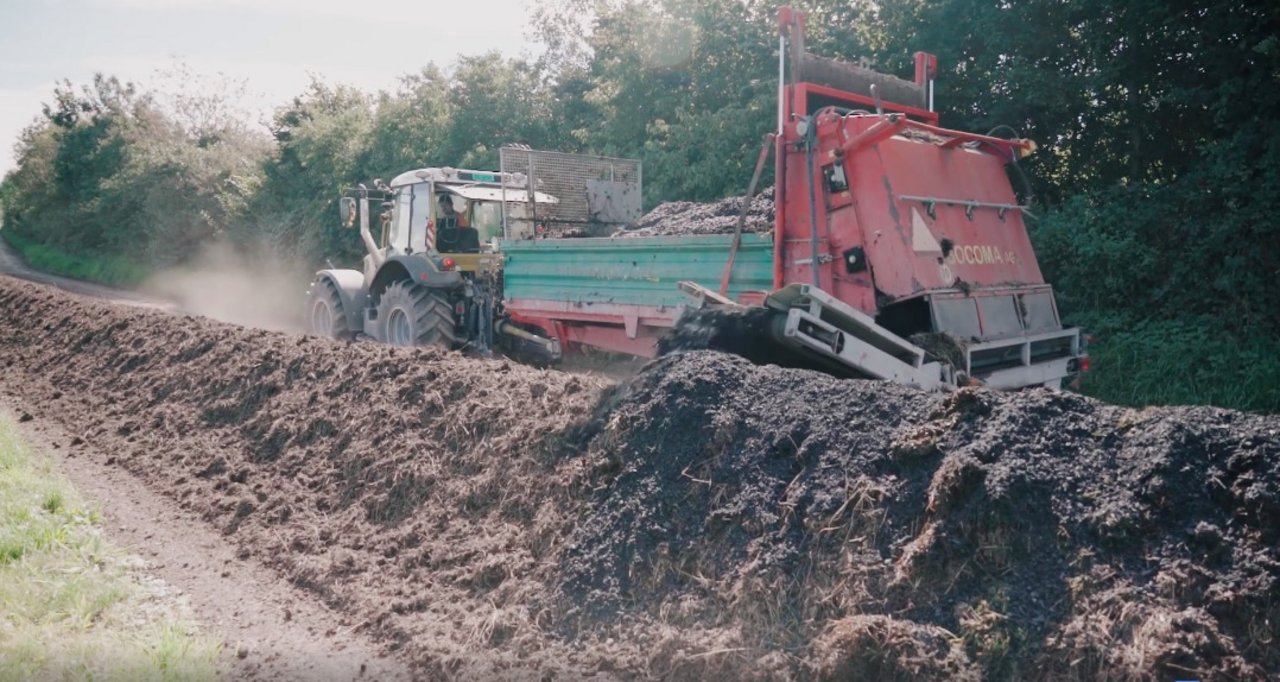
point(707, 518)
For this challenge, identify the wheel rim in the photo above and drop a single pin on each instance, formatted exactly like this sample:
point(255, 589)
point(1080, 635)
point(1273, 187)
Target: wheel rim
point(322, 318)
point(399, 330)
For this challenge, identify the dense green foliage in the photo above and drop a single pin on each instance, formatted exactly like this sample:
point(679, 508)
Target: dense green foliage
point(107, 269)
point(1158, 176)
point(113, 171)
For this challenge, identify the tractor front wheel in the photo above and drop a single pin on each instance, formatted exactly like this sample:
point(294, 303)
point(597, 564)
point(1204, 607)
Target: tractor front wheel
point(323, 314)
point(413, 315)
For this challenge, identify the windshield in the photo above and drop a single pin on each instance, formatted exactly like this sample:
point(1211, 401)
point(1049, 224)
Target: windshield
point(486, 217)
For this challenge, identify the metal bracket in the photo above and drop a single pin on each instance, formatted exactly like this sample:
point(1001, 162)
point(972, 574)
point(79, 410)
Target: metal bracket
point(930, 204)
point(702, 296)
point(825, 328)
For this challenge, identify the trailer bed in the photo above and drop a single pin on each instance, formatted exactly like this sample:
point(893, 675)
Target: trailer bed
point(622, 293)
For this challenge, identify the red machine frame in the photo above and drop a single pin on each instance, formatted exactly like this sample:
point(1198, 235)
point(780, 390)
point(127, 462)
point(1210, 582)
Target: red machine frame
point(907, 214)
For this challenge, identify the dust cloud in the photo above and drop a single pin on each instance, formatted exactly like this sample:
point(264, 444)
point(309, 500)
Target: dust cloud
point(261, 289)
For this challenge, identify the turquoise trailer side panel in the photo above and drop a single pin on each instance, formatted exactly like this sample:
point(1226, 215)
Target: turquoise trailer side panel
point(633, 270)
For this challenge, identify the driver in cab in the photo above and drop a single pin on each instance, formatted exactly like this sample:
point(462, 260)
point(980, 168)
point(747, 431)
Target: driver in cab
point(454, 233)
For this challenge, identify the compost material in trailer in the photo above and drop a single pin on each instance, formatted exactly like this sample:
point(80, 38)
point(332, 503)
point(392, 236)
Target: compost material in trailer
point(717, 217)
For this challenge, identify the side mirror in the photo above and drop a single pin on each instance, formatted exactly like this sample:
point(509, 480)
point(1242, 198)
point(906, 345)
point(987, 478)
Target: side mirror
point(347, 211)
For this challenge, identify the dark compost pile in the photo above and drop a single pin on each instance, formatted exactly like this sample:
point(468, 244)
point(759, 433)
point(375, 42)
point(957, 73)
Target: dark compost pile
point(709, 518)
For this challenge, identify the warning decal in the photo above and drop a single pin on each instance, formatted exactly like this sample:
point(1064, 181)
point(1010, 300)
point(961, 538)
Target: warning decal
point(922, 239)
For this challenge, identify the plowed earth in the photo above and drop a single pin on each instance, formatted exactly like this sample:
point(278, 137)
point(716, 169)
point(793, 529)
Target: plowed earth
point(709, 518)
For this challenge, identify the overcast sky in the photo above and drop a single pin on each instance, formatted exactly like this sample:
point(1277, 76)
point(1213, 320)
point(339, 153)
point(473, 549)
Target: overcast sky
point(273, 44)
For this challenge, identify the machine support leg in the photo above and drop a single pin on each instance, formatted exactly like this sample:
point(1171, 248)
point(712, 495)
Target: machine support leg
point(742, 215)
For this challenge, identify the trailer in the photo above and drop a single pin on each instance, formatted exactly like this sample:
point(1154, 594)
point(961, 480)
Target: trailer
point(622, 294)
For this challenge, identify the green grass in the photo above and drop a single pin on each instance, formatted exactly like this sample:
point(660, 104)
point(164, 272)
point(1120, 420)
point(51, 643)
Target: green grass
point(72, 608)
point(1191, 361)
point(110, 270)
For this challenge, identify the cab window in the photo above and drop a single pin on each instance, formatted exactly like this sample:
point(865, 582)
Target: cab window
point(486, 217)
point(421, 213)
point(399, 237)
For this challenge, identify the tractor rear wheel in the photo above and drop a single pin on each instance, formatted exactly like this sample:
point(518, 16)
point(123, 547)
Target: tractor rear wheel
point(323, 314)
point(413, 315)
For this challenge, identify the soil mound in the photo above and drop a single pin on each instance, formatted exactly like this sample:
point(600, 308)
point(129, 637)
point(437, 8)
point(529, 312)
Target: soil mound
point(717, 217)
point(416, 491)
point(1044, 534)
point(709, 518)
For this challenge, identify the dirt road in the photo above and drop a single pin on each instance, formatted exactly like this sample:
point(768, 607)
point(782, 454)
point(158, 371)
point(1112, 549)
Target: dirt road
point(11, 264)
point(270, 630)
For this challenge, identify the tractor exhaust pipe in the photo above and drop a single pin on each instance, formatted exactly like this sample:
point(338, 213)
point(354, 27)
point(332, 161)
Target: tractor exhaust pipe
point(367, 237)
point(351, 211)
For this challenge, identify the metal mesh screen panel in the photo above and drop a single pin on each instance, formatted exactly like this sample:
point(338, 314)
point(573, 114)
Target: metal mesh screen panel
point(594, 192)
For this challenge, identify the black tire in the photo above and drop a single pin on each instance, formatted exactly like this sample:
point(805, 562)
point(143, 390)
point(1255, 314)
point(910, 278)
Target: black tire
point(323, 314)
point(413, 315)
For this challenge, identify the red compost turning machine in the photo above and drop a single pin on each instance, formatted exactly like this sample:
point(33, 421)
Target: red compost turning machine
point(900, 247)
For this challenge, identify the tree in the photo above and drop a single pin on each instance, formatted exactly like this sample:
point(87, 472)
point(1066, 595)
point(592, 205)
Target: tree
point(111, 171)
point(411, 125)
point(322, 139)
point(493, 102)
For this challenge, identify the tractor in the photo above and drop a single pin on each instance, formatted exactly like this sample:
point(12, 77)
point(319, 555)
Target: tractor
point(433, 276)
